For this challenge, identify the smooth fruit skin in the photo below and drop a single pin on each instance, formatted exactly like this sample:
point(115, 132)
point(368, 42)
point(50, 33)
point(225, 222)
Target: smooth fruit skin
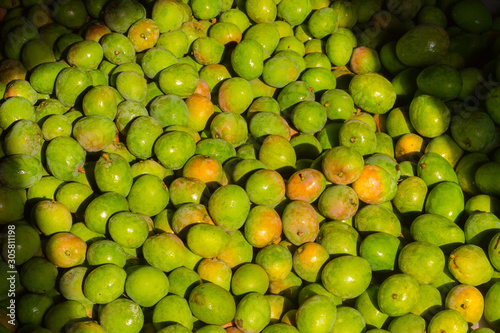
point(146, 285)
point(65, 158)
point(316, 315)
point(414, 48)
point(306, 185)
point(70, 84)
point(113, 173)
point(253, 313)
point(485, 179)
point(121, 315)
point(429, 116)
point(448, 320)
point(338, 202)
point(63, 313)
point(493, 251)
point(229, 207)
point(473, 131)
point(249, 278)
point(422, 260)
point(381, 250)
point(172, 309)
point(452, 207)
point(164, 251)
point(66, 250)
point(347, 276)
point(358, 135)
point(372, 93)
point(375, 185)
point(398, 294)
point(105, 283)
point(480, 228)
point(300, 222)
point(338, 238)
point(308, 261)
point(467, 300)
point(470, 265)
point(492, 306)
point(212, 304)
point(438, 230)
point(20, 171)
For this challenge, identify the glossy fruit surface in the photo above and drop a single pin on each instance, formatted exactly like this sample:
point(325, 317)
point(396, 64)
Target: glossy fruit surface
point(275, 166)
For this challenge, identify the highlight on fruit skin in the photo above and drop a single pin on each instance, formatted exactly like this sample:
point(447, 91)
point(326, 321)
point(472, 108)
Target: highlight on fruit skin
point(211, 166)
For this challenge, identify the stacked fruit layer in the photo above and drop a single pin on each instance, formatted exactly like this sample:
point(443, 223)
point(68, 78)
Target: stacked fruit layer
point(288, 166)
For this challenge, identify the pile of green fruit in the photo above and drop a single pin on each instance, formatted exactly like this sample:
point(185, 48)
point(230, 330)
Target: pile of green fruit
point(220, 166)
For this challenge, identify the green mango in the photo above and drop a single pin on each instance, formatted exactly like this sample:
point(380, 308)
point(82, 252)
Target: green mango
point(119, 15)
point(294, 12)
point(398, 294)
point(94, 133)
point(87, 54)
point(491, 306)
point(367, 305)
point(438, 230)
point(113, 173)
point(212, 304)
point(493, 254)
point(15, 108)
point(253, 312)
point(445, 146)
point(20, 171)
point(141, 136)
point(346, 276)
point(372, 92)
point(72, 14)
point(229, 207)
point(280, 71)
point(64, 313)
point(358, 135)
point(348, 320)
point(164, 251)
point(65, 158)
point(377, 218)
point(23, 137)
point(315, 307)
point(117, 48)
point(434, 168)
point(169, 15)
point(470, 265)
point(71, 84)
point(294, 93)
point(423, 45)
point(429, 301)
point(280, 328)
point(148, 195)
point(422, 260)
point(33, 307)
point(448, 320)
point(339, 49)
point(473, 131)
point(480, 228)
point(410, 198)
point(263, 124)
point(446, 199)
point(36, 52)
point(441, 81)
point(429, 116)
point(217, 148)
point(381, 250)
point(277, 154)
point(487, 180)
point(410, 323)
